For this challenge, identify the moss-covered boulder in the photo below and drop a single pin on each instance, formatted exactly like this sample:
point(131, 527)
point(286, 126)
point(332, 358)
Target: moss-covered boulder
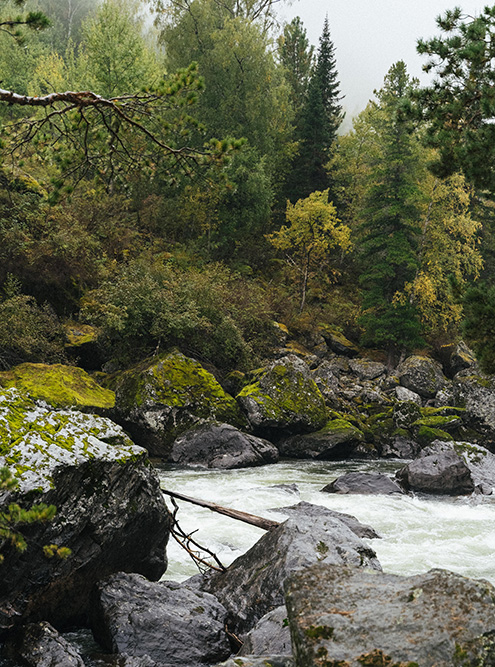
point(337, 440)
point(59, 386)
point(422, 375)
point(162, 397)
point(337, 342)
point(285, 399)
point(110, 509)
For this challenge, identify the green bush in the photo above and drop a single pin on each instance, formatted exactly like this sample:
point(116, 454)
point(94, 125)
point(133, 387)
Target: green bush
point(211, 314)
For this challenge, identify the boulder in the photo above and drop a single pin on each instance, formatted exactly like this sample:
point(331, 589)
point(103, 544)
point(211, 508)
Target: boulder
point(58, 385)
point(366, 369)
point(214, 445)
point(400, 447)
point(253, 585)
point(285, 398)
point(337, 440)
point(440, 471)
point(327, 380)
point(422, 375)
point(160, 398)
point(110, 510)
point(476, 394)
point(406, 395)
point(349, 617)
point(40, 645)
point(165, 621)
point(270, 636)
point(303, 510)
point(337, 342)
point(363, 482)
point(461, 359)
point(259, 661)
point(405, 413)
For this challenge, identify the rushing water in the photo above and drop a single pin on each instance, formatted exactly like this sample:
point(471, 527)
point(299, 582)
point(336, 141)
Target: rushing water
point(418, 532)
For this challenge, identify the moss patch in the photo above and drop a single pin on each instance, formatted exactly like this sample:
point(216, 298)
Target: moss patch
point(60, 386)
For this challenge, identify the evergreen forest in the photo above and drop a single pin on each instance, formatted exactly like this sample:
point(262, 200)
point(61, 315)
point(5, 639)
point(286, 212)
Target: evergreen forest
point(176, 175)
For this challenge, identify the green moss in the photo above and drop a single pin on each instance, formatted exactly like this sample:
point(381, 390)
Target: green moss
point(378, 658)
point(58, 385)
point(438, 421)
point(80, 334)
point(444, 411)
point(427, 435)
point(319, 632)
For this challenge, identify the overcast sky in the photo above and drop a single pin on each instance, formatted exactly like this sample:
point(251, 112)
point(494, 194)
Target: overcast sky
point(370, 35)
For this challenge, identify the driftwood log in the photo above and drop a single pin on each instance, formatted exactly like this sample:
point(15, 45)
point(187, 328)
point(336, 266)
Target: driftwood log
point(252, 519)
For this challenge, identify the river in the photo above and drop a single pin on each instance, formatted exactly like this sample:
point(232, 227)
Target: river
point(418, 532)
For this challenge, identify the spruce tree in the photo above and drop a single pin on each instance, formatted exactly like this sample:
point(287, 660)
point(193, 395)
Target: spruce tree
point(391, 227)
point(320, 120)
point(296, 56)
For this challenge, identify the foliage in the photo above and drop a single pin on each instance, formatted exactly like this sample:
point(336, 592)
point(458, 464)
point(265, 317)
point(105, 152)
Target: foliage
point(314, 230)
point(14, 517)
point(479, 323)
point(296, 55)
point(212, 314)
point(28, 332)
point(459, 107)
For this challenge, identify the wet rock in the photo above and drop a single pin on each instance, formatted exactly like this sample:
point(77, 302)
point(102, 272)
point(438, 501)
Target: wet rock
point(303, 510)
point(367, 370)
point(159, 399)
point(339, 439)
point(222, 446)
point(353, 617)
point(110, 510)
point(441, 471)
point(270, 636)
point(40, 645)
point(364, 483)
point(284, 399)
point(253, 585)
point(422, 375)
point(165, 621)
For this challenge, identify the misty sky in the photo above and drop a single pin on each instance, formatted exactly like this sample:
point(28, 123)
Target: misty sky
point(370, 35)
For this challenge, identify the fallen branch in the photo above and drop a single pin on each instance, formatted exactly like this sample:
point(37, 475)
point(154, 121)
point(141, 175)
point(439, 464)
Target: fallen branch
point(252, 519)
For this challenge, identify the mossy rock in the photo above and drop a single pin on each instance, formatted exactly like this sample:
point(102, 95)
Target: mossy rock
point(160, 398)
point(58, 385)
point(422, 375)
point(80, 334)
point(337, 342)
point(35, 441)
point(285, 398)
point(450, 423)
point(425, 435)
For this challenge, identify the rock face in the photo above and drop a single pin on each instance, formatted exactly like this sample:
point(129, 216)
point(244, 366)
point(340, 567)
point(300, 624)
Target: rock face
point(353, 617)
point(338, 439)
point(454, 468)
point(253, 585)
point(166, 621)
point(110, 510)
point(222, 446)
point(364, 483)
point(270, 636)
point(40, 645)
point(285, 398)
point(422, 375)
point(58, 385)
point(161, 398)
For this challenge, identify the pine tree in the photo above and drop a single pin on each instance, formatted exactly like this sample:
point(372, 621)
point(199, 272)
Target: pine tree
point(296, 55)
point(391, 227)
point(320, 120)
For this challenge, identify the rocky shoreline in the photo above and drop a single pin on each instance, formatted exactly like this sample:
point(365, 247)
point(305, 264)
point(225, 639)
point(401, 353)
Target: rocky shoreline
point(310, 592)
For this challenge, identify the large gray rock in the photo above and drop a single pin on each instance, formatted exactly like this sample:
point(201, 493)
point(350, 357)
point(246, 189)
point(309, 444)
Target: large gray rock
point(284, 399)
point(259, 661)
point(253, 585)
point(353, 617)
point(270, 636)
point(363, 482)
point(422, 375)
point(476, 394)
point(222, 446)
point(161, 398)
point(40, 645)
point(339, 439)
point(366, 369)
point(110, 510)
point(304, 511)
point(438, 470)
point(165, 621)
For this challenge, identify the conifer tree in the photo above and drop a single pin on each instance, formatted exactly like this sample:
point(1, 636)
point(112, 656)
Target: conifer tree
point(320, 120)
point(296, 55)
point(391, 227)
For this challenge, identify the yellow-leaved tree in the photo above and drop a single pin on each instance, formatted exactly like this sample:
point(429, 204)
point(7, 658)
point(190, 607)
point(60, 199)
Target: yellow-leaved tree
point(313, 230)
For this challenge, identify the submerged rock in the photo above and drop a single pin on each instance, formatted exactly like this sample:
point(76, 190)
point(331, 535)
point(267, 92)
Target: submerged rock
point(222, 446)
point(337, 440)
point(160, 398)
point(165, 621)
point(352, 617)
point(364, 483)
point(110, 509)
point(253, 585)
point(285, 398)
point(40, 645)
